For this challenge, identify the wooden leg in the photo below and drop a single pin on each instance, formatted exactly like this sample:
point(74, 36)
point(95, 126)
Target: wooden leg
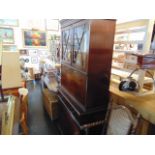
point(24, 126)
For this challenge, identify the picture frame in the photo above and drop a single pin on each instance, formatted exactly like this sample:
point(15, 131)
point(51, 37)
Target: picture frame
point(42, 52)
point(7, 35)
point(35, 38)
point(9, 48)
point(9, 22)
point(34, 60)
point(24, 52)
point(52, 24)
point(33, 52)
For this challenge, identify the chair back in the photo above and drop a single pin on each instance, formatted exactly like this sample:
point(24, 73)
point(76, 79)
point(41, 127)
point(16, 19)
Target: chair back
point(121, 120)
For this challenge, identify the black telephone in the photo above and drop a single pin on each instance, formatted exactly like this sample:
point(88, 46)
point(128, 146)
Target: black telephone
point(130, 84)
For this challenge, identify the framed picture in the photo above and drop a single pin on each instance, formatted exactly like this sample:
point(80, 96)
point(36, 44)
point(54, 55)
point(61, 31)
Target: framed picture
point(34, 38)
point(7, 35)
point(9, 48)
point(52, 24)
point(9, 22)
point(34, 60)
point(24, 52)
point(33, 52)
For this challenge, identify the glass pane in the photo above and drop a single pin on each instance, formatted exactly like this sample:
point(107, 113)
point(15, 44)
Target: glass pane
point(81, 42)
point(67, 47)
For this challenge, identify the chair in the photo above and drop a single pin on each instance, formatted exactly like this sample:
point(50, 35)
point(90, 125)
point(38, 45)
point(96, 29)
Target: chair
point(24, 110)
point(8, 112)
point(121, 120)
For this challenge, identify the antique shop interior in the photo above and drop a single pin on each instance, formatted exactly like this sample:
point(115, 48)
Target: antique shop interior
point(77, 77)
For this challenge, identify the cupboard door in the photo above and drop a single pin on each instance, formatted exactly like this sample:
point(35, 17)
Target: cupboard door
point(67, 46)
point(75, 84)
point(80, 46)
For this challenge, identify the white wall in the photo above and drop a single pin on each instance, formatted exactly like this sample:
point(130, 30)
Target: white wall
point(30, 24)
point(39, 24)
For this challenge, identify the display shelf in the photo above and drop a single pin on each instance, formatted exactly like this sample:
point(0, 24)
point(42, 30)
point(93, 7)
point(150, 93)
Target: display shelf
point(131, 30)
point(132, 39)
point(130, 42)
point(127, 51)
point(134, 36)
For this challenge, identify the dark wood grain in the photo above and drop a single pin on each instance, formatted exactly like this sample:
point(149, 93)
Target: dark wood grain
point(84, 89)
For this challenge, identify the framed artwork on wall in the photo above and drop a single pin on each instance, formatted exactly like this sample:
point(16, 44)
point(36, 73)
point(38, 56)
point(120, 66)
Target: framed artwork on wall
point(33, 52)
point(9, 22)
point(9, 48)
point(34, 60)
point(34, 38)
point(7, 35)
point(24, 52)
point(52, 24)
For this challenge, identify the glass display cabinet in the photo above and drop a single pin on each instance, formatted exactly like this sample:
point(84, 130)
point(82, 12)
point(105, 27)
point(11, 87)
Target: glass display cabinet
point(80, 48)
point(87, 47)
point(66, 45)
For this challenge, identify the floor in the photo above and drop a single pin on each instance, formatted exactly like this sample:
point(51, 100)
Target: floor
point(38, 121)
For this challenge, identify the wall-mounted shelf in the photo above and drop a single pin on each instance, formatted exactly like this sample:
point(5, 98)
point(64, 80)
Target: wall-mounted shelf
point(129, 34)
point(129, 42)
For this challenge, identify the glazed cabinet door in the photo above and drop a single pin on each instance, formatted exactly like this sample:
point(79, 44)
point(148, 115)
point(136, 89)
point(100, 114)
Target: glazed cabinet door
point(67, 45)
point(80, 46)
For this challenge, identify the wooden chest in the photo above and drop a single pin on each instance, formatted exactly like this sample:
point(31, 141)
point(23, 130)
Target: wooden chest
point(50, 104)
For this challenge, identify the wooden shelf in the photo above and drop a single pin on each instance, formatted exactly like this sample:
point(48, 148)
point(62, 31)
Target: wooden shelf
point(127, 51)
point(130, 42)
point(136, 29)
